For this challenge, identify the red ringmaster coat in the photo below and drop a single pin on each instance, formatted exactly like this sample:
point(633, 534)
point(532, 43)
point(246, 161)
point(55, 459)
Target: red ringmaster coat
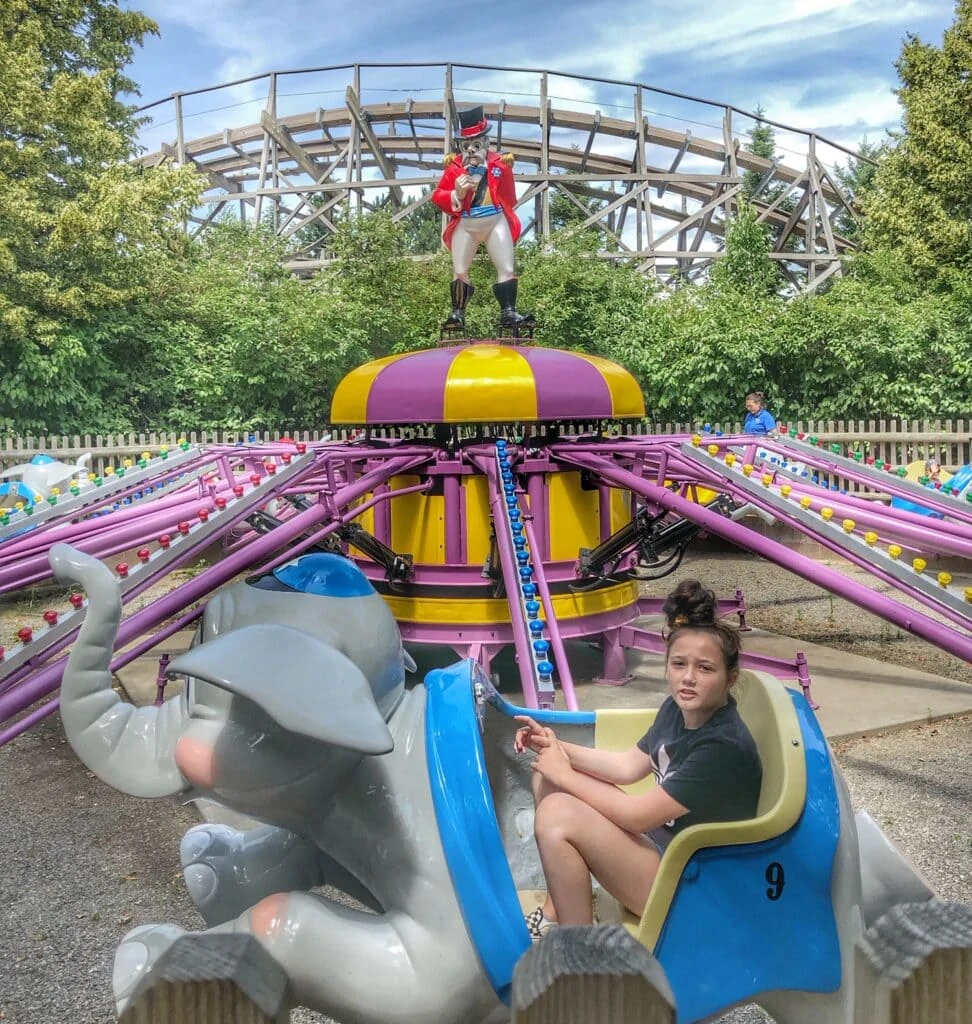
point(502, 192)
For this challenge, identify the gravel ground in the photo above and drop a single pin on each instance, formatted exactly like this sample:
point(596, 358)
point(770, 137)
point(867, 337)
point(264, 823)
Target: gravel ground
point(83, 864)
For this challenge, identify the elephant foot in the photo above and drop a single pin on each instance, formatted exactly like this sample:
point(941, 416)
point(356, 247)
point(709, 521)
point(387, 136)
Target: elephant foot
point(228, 871)
point(139, 950)
point(210, 856)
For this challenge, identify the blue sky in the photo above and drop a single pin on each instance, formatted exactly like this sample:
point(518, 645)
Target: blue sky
point(822, 65)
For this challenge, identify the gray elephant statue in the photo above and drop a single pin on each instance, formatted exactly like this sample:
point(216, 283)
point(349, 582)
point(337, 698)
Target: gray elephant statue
point(294, 714)
point(296, 719)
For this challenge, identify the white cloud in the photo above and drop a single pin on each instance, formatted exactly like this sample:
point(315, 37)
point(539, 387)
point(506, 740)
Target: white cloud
point(739, 54)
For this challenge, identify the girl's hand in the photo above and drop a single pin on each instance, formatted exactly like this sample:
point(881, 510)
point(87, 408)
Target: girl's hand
point(532, 736)
point(553, 764)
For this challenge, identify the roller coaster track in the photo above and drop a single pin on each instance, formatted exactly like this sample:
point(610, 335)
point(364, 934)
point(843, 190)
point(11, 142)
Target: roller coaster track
point(659, 192)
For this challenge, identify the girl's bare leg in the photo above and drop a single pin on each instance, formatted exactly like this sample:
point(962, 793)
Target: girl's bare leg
point(541, 790)
point(576, 841)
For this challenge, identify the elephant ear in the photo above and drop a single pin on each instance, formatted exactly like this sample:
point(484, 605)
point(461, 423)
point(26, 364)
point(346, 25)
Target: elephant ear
point(306, 686)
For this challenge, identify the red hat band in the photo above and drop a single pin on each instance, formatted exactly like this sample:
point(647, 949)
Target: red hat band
point(475, 129)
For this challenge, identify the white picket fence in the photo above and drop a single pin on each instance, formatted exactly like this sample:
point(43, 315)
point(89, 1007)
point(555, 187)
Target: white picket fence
point(895, 441)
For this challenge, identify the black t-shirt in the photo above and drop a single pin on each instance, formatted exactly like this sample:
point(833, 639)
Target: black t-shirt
point(714, 770)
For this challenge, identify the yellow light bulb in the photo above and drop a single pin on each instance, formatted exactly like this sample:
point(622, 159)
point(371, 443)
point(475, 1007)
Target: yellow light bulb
point(870, 537)
point(713, 449)
point(827, 513)
point(730, 459)
point(767, 479)
point(747, 469)
point(944, 578)
point(919, 564)
point(785, 490)
point(894, 551)
point(805, 501)
point(848, 525)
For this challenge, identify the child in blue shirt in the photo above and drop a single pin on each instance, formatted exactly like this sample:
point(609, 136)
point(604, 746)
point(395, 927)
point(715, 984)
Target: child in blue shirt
point(759, 420)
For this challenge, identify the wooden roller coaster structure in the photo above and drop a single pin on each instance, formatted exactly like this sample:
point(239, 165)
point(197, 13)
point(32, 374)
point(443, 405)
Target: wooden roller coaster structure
point(660, 193)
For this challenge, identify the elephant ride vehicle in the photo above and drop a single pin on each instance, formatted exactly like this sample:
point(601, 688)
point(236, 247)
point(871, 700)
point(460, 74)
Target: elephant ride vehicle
point(410, 801)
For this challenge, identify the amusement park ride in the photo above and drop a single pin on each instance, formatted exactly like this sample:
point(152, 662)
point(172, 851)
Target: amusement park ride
point(493, 497)
point(494, 493)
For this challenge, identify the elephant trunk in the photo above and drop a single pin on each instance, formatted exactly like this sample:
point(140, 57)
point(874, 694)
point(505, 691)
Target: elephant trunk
point(132, 749)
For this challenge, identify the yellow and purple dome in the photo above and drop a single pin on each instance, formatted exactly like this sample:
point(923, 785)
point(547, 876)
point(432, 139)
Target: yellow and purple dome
point(486, 382)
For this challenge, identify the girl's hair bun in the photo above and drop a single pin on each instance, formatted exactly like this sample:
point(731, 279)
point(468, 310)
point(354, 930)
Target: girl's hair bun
point(690, 604)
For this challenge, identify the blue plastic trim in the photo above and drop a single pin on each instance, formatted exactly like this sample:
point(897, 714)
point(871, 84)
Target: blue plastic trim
point(325, 574)
point(468, 828)
point(19, 491)
point(725, 939)
point(545, 716)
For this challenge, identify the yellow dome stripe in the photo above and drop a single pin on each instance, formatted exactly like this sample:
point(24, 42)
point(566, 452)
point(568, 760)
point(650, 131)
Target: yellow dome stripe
point(350, 401)
point(488, 383)
point(626, 396)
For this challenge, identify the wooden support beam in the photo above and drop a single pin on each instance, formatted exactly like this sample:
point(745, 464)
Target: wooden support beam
point(818, 279)
point(405, 211)
point(219, 180)
point(211, 977)
point(610, 208)
point(208, 219)
point(816, 188)
point(319, 213)
point(364, 126)
point(915, 964)
point(673, 167)
point(599, 975)
point(765, 180)
point(544, 198)
point(595, 125)
point(325, 131)
point(281, 135)
point(794, 218)
point(700, 213)
point(325, 174)
point(801, 182)
point(580, 206)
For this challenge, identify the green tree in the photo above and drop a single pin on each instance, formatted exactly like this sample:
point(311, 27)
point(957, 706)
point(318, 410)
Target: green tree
point(921, 200)
point(422, 228)
point(857, 180)
point(762, 143)
point(82, 229)
point(745, 266)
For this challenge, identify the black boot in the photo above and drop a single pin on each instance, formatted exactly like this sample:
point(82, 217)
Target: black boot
point(505, 292)
point(461, 291)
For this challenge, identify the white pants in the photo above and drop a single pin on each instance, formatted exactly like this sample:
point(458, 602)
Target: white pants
point(471, 232)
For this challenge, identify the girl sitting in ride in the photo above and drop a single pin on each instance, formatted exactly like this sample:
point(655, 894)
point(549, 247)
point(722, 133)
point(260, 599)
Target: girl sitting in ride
point(700, 751)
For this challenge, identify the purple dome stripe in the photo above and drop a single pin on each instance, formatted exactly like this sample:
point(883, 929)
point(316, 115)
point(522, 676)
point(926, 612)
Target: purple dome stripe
point(567, 387)
point(411, 390)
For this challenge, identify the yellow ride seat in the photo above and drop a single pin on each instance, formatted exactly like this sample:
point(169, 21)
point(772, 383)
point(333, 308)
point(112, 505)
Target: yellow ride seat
point(767, 709)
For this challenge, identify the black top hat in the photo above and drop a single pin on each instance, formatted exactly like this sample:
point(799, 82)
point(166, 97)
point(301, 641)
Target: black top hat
point(472, 123)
